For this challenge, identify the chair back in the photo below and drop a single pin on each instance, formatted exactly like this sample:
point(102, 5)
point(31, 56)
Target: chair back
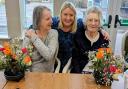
point(57, 61)
point(125, 43)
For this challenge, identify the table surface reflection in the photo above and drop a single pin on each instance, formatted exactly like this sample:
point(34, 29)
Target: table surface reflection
point(34, 80)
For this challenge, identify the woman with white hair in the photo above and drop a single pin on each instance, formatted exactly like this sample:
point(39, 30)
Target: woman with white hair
point(89, 39)
point(44, 40)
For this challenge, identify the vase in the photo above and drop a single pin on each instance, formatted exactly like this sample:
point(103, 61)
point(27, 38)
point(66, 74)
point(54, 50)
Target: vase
point(17, 76)
point(100, 78)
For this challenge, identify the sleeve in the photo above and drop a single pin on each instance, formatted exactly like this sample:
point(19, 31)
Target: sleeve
point(79, 55)
point(47, 51)
point(104, 42)
point(102, 30)
point(80, 24)
point(26, 42)
point(76, 58)
point(55, 22)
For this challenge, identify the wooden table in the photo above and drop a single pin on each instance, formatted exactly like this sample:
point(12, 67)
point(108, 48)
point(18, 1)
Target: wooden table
point(55, 81)
point(2, 80)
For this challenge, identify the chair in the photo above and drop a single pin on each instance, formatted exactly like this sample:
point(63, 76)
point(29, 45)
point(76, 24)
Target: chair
point(67, 69)
point(58, 62)
point(87, 69)
point(124, 47)
point(58, 65)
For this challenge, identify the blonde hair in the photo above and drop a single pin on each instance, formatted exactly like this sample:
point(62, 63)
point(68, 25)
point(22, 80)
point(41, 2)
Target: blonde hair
point(95, 10)
point(65, 5)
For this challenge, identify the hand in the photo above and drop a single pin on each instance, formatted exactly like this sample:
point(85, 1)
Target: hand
point(106, 35)
point(29, 33)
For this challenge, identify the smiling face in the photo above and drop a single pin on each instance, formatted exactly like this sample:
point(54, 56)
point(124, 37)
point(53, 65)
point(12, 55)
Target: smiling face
point(46, 20)
point(92, 22)
point(67, 17)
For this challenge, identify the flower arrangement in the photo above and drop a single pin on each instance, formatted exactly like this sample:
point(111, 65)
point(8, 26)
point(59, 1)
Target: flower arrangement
point(105, 64)
point(14, 58)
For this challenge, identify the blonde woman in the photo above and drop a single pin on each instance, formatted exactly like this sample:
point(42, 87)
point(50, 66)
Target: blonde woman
point(66, 26)
point(44, 39)
point(89, 39)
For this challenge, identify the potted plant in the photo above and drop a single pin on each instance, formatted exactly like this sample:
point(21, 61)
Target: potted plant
point(105, 65)
point(14, 59)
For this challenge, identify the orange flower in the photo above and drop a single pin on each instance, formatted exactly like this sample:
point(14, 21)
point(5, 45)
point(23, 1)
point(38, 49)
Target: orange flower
point(6, 45)
point(100, 55)
point(27, 59)
point(7, 48)
point(118, 71)
point(101, 49)
point(108, 50)
point(7, 51)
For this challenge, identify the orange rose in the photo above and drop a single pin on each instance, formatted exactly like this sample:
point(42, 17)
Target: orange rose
point(118, 71)
point(6, 45)
point(101, 49)
point(7, 51)
point(100, 55)
point(26, 59)
point(108, 50)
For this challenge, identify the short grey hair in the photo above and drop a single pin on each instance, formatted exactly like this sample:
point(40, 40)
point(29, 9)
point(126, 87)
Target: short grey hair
point(37, 15)
point(96, 10)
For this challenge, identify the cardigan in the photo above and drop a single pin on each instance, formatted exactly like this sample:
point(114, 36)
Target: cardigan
point(81, 48)
point(43, 55)
point(65, 47)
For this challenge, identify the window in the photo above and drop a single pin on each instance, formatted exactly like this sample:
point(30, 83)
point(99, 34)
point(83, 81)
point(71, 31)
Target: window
point(82, 5)
point(29, 6)
point(124, 13)
point(3, 20)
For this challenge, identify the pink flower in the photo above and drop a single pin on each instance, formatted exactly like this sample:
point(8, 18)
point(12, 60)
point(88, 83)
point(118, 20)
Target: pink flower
point(105, 78)
point(24, 50)
point(1, 49)
point(112, 68)
point(105, 69)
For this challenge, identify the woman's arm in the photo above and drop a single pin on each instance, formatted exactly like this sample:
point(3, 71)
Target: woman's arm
point(105, 34)
point(26, 41)
point(47, 51)
point(55, 22)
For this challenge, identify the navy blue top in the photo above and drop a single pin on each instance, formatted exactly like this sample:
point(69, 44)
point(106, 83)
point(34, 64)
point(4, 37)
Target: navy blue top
point(81, 48)
point(65, 47)
point(65, 43)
